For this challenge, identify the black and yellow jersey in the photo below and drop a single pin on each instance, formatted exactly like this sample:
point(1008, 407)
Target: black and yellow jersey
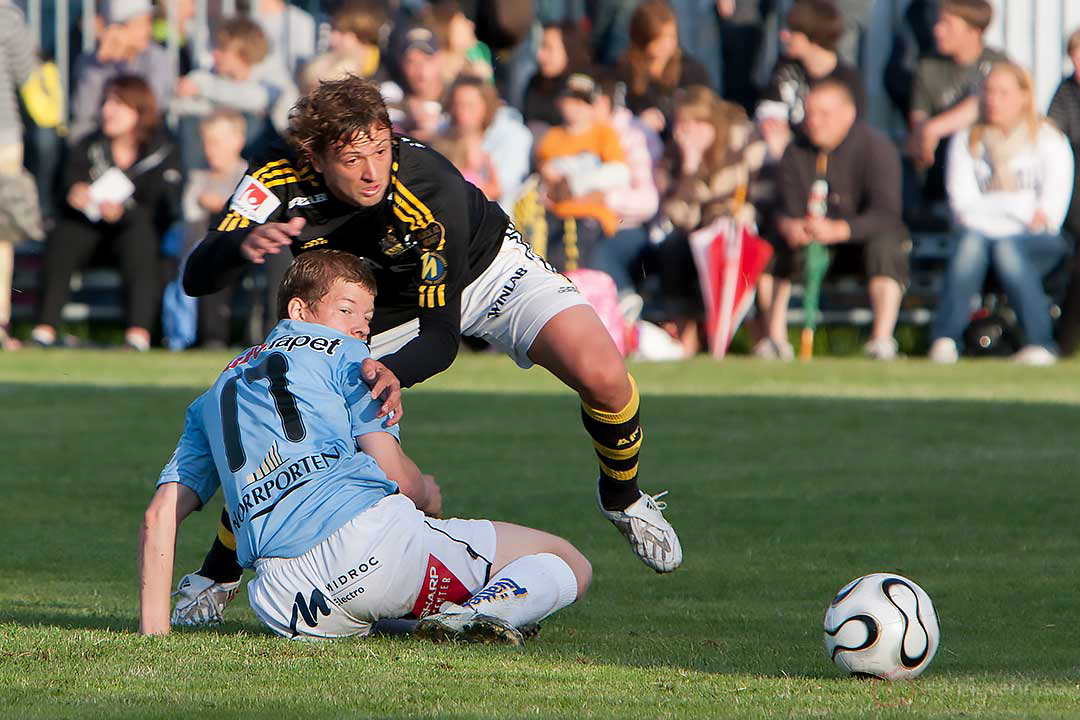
point(432, 235)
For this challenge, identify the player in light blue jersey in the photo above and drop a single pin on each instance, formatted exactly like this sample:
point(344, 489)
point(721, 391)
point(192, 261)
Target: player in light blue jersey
point(325, 505)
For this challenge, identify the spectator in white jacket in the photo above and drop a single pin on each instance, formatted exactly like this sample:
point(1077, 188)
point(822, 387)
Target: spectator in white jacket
point(1009, 181)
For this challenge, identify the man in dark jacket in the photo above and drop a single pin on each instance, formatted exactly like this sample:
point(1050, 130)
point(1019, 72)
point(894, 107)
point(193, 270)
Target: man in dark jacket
point(839, 185)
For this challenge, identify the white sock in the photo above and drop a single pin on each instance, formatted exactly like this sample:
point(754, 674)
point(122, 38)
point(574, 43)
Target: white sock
point(526, 591)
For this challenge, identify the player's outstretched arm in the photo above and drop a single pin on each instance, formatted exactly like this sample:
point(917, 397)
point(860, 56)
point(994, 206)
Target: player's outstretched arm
point(157, 544)
point(399, 467)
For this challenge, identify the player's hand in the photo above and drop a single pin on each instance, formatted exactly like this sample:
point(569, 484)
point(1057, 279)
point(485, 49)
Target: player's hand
point(434, 494)
point(269, 239)
point(384, 386)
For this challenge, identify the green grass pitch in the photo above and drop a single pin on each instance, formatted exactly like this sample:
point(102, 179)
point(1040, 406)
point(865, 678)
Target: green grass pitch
point(786, 482)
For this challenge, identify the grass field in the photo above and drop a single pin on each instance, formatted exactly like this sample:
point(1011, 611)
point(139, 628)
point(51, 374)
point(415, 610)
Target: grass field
point(786, 482)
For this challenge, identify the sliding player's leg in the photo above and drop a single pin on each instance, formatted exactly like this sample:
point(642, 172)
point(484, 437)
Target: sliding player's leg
point(533, 574)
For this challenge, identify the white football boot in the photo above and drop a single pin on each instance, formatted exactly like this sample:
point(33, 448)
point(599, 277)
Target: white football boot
point(201, 601)
point(465, 625)
point(649, 534)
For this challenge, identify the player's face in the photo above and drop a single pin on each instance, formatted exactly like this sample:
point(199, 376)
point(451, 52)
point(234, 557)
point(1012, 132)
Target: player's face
point(347, 308)
point(359, 172)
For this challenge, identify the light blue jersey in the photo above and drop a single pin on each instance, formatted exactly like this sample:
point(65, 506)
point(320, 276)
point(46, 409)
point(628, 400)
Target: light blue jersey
point(276, 433)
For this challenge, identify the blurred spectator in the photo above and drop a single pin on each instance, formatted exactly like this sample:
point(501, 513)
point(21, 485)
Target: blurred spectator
point(654, 66)
point(945, 94)
point(579, 162)
point(609, 25)
point(125, 47)
point(205, 195)
point(856, 15)
point(290, 32)
point(1009, 180)
point(472, 105)
point(356, 29)
point(232, 83)
point(418, 111)
point(913, 39)
point(239, 46)
point(461, 52)
point(841, 185)
point(741, 34)
point(475, 107)
point(813, 29)
point(184, 13)
point(1065, 112)
point(562, 50)
point(637, 204)
point(123, 188)
point(17, 62)
point(714, 157)
point(699, 35)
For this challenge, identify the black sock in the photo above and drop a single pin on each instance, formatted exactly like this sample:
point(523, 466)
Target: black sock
point(220, 564)
point(617, 439)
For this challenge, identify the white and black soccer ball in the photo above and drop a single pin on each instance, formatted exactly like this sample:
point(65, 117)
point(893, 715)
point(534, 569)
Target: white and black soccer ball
point(882, 625)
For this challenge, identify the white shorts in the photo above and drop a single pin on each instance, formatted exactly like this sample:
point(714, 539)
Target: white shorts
point(507, 305)
point(390, 561)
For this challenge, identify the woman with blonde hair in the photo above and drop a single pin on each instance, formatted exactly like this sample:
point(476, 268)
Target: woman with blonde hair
point(1009, 180)
point(654, 65)
point(713, 171)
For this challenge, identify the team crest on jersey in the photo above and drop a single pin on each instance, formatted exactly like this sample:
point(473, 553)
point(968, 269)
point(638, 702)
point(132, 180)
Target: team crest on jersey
point(253, 200)
point(390, 245)
point(432, 268)
point(430, 236)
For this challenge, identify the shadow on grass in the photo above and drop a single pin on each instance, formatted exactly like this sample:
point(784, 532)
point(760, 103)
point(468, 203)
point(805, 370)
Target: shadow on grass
point(778, 501)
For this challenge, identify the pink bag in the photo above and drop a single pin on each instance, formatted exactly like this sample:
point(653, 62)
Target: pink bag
point(599, 289)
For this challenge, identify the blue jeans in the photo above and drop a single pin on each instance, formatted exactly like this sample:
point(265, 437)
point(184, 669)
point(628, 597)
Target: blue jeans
point(1020, 262)
point(618, 254)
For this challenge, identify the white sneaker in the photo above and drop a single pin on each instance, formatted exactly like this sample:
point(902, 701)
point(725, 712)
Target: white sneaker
point(784, 350)
point(650, 536)
point(881, 349)
point(1034, 356)
point(655, 345)
point(201, 601)
point(764, 349)
point(464, 625)
point(943, 351)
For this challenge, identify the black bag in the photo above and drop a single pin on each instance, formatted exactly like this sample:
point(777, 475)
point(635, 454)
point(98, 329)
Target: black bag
point(992, 333)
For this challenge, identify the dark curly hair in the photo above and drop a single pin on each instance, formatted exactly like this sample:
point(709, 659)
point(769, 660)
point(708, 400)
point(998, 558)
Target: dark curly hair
point(335, 114)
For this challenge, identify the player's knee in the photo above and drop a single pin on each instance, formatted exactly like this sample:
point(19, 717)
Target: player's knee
point(606, 386)
point(578, 563)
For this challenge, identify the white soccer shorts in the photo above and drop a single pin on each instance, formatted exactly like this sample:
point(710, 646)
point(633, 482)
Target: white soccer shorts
point(507, 305)
point(390, 561)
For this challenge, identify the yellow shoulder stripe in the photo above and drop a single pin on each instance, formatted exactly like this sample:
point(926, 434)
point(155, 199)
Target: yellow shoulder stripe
point(270, 166)
point(411, 199)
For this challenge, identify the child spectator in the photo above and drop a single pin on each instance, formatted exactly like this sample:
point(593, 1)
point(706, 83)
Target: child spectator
point(946, 88)
point(473, 102)
point(579, 162)
point(563, 49)
point(1009, 181)
point(461, 52)
point(1065, 112)
point(713, 158)
point(814, 27)
point(239, 46)
point(206, 193)
point(123, 189)
point(125, 47)
point(654, 65)
point(356, 29)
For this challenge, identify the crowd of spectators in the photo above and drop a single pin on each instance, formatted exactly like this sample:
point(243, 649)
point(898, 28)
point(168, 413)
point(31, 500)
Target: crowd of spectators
point(610, 131)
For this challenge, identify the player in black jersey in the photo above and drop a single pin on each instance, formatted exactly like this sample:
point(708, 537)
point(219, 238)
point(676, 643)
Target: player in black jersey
point(447, 262)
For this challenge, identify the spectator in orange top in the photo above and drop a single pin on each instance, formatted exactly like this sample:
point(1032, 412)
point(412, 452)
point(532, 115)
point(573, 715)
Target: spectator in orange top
point(579, 162)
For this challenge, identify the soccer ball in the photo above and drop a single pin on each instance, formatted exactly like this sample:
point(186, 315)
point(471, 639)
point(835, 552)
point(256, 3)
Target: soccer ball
point(882, 625)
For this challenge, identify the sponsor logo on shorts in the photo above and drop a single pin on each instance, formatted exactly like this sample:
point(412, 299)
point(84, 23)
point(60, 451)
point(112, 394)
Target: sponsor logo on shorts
point(440, 585)
point(261, 494)
point(568, 289)
point(507, 290)
point(501, 589)
point(309, 610)
point(347, 580)
point(304, 200)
